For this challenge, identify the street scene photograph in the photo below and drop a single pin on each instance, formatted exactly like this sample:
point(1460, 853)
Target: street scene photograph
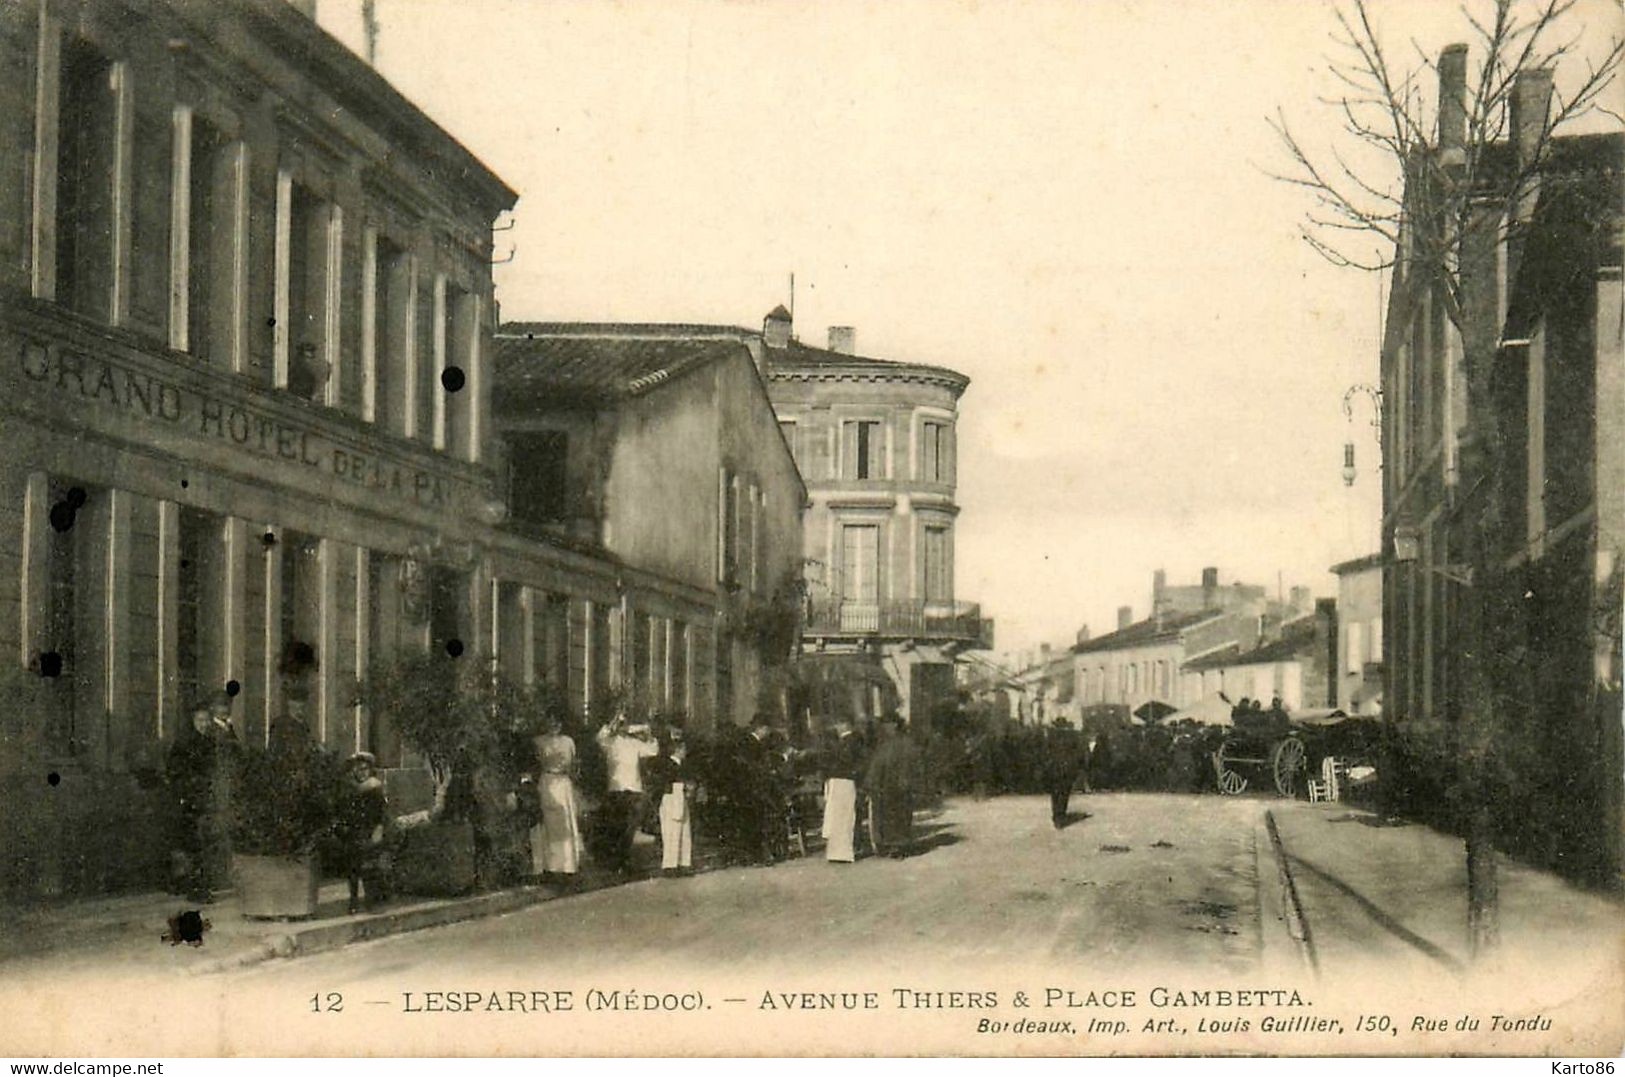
point(748, 528)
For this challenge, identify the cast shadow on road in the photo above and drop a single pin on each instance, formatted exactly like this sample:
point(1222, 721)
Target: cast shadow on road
point(929, 836)
point(1373, 910)
point(1071, 817)
point(1370, 819)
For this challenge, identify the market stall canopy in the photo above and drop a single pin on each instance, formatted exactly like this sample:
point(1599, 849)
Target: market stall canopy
point(1319, 716)
point(1211, 709)
point(1154, 710)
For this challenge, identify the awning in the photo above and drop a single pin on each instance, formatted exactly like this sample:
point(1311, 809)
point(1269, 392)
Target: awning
point(1212, 709)
point(1154, 710)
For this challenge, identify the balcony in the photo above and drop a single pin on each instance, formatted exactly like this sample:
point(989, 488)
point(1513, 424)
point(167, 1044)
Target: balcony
point(948, 622)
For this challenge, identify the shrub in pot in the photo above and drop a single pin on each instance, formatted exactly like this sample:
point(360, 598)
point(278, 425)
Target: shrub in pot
point(442, 713)
point(513, 715)
point(283, 808)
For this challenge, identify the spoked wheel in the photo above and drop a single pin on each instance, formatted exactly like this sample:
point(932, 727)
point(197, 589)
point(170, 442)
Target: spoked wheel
point(1288, 764)
point(1231, 781)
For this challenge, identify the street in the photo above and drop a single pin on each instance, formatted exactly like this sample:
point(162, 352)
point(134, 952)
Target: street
point(1139, 894)
point(1166, 878)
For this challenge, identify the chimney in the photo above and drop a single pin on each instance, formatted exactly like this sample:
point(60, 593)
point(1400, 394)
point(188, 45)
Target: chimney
point(1453, 97)
point(1159, 582)
point(1531, 111)
point(1300, 599)
point(776, 327)
point(843, 339)
point(1210, 588)
point(1083, 634)
point(1125, 616)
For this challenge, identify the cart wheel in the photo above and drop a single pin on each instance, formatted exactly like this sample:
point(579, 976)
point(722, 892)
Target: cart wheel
point(1289, 766)
point(1230, 781)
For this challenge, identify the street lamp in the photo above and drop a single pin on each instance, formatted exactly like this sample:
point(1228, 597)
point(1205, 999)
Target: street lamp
point(1374, 394)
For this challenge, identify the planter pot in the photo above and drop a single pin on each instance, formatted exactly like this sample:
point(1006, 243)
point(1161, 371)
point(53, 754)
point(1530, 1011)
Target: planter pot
point(436, 860)
point(276, 887)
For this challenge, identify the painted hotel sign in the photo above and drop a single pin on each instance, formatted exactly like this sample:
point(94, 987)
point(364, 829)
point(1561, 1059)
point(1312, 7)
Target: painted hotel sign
point(108, 383)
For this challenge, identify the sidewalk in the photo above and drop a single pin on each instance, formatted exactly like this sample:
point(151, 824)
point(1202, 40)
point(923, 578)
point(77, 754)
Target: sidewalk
point(1374, 889)
point(130, 930)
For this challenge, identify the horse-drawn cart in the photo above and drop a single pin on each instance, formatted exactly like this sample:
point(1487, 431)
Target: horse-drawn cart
point(1287, 748)
point(1276, 748)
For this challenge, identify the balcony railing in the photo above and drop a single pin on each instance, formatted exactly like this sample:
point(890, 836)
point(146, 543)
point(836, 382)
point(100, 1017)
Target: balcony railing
point(909, 619)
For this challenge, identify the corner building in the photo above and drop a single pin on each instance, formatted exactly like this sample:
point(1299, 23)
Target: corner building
point(876, 443)
point(245, 310)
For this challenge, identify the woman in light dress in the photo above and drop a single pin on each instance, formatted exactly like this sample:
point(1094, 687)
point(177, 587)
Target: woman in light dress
point(555, 842)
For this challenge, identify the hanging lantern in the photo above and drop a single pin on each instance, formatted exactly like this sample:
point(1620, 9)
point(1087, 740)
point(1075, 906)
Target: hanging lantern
point(1348, 463)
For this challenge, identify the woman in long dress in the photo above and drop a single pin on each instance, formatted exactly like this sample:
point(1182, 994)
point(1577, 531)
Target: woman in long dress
point(555, 842)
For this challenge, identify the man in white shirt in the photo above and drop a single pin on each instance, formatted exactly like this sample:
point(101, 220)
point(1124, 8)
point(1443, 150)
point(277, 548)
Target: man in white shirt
point(625, 747)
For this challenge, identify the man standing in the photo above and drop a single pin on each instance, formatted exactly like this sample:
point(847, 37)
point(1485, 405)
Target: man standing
point(841, 794)
point(1063, 759)
point(890, 782)
point(625, 746)
point(764, 796)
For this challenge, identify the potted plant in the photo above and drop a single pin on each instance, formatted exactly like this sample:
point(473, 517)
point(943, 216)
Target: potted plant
point(282, 807)
point(439, 715)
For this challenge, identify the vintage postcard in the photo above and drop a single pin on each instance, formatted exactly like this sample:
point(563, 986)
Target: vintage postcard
point(761, 528)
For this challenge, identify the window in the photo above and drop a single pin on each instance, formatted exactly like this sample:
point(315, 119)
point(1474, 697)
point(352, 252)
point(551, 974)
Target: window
point(386, 625)
point(679, 666)
point(211, 236)
point(538, 466)
point(87, 109)
point(730, 527)
point(860, 563)
point(308, 272)
point(66, 616)
point(392, 298)
point(938, 568)
point(934, 452)
point(300, 607)
point(642, 638)
point(1354, 646)
point(427, 362)
point(452, 383)
point(199, 577)
point(753, 537)
point(598, 653)
point(149, 220)
point(1570, 402)
point(447, 591)
point(553, 641)
point(862, 453)
point(725, 681)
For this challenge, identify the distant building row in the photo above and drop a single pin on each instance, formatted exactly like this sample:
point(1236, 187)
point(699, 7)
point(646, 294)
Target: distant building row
point(1210, 640)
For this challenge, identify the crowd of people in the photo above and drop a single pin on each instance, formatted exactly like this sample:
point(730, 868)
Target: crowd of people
point(748, 791)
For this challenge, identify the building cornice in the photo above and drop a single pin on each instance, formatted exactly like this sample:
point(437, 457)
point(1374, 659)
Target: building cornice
point(955, 383)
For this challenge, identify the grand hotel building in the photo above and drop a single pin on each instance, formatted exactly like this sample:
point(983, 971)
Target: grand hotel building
point(246, 318)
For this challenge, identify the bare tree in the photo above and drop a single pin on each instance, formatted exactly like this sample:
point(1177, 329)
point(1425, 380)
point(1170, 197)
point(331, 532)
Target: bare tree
point(1429, 187)
point(1388, 179)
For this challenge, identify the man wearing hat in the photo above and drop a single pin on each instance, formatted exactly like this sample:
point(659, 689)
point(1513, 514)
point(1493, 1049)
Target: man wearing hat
point(889, 780)
point(1063, 761)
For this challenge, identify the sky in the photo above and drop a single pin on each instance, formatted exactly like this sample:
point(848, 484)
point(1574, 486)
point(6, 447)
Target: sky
point(1069, 202)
